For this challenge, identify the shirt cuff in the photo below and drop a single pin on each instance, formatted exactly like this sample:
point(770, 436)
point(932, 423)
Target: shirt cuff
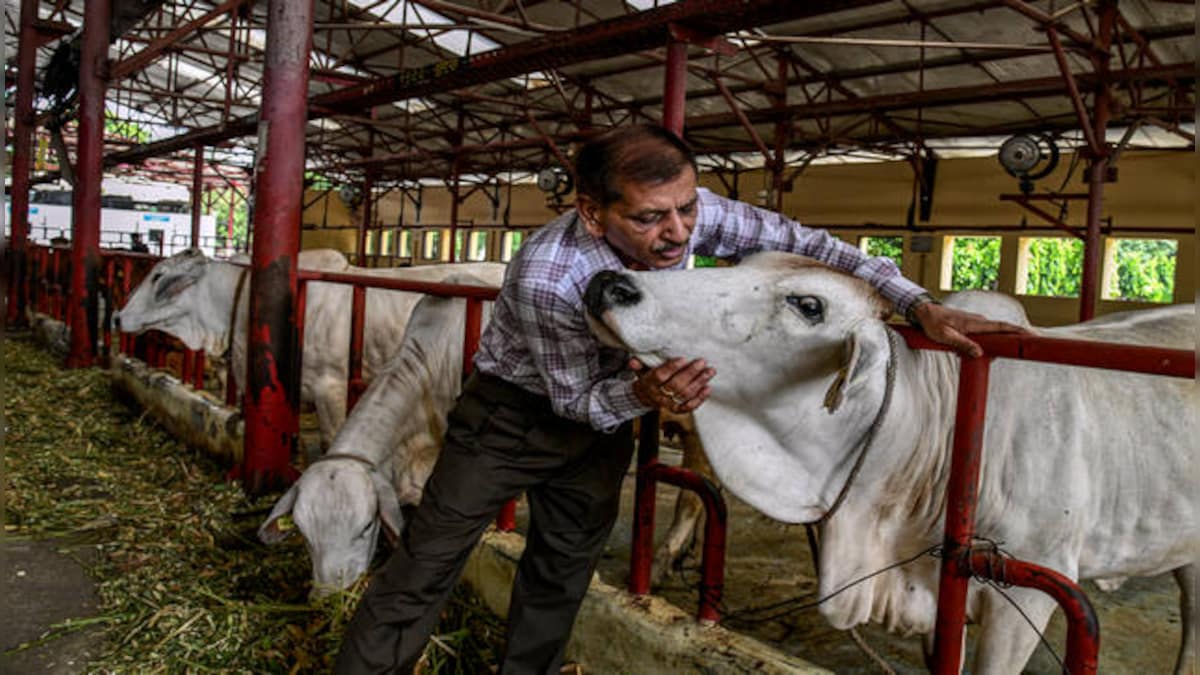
point(910, 314)
point(624, 405)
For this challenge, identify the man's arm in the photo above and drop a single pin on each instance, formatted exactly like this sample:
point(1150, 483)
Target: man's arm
point(728, 227)
point(731, 228)
point(567, 357)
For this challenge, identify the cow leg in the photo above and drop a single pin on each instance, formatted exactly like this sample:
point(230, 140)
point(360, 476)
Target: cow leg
point(685, 527)
point(1006, 639)
point(679, 539)
point(1186, 578)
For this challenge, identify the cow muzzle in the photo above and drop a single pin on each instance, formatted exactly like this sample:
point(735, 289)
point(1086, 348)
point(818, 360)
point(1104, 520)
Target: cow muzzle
point(607, 290)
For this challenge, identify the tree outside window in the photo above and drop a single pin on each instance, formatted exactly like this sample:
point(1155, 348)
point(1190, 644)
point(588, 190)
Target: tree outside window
point(887, 247)
point(1050, 267)
point(971, 262)
point(1140, 270)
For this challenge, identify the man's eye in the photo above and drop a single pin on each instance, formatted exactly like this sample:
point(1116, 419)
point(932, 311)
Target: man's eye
point(687, 209)
point(647, 220)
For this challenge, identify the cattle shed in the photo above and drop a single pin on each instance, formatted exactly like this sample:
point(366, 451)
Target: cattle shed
point(1043, 149)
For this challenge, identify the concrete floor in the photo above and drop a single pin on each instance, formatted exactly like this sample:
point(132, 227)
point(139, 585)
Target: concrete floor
point(44, 583)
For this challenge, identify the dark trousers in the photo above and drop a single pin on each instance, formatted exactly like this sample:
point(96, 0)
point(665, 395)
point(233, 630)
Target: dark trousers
point(501, 441)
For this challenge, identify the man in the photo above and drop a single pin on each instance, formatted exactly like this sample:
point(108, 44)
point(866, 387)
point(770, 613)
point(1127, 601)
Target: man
point(548, 411)
point(136, 244)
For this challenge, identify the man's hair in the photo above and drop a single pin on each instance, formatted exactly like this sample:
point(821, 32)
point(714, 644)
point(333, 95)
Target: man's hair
point(643, 154)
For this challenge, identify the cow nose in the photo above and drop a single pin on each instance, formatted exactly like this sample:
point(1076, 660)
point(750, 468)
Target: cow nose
point(610, 289)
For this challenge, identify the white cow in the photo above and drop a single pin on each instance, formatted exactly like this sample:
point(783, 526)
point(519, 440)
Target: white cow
point(1089, 472)
point(689, 509)
point(191, 297)
point(382, 457)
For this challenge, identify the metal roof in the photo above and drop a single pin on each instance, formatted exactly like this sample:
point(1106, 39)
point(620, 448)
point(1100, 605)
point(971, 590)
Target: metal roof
point(409, 90)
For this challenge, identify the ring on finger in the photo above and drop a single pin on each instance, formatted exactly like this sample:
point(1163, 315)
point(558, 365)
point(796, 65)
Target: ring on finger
point(666, 391)
point(677, 399)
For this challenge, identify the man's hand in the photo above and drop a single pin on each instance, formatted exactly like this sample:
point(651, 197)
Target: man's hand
point(950, 326)
point(677, 385)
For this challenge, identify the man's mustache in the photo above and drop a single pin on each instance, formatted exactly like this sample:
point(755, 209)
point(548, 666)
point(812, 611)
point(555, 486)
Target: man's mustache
point(659, 248)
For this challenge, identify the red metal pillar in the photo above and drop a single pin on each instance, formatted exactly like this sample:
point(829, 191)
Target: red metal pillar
point(368, 216)
point(197, 188)
point(85, 239)
point(23, 125)
point(456, 169)
point(272, 396)
point(1097, 170)
point(675, 87)
point(368, 185)
point(962, 494)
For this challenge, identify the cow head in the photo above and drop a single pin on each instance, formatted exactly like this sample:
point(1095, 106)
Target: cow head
point(167, 300)
point(339, 505)
point(794, 344)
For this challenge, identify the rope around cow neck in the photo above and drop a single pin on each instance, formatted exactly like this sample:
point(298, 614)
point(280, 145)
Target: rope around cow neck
point(868, 437)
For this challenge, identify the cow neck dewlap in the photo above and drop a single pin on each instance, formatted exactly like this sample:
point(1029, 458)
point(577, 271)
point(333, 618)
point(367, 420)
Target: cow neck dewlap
point(895, 509)
point(776, 455)
point(221, 286)
point(409, 398)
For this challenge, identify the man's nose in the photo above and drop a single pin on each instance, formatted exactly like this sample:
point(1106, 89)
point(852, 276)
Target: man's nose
point(609, 289)
point(676, 229)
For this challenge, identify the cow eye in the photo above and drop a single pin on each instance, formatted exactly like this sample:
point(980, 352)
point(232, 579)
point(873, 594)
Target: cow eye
point(154, 279)
point(809, 306)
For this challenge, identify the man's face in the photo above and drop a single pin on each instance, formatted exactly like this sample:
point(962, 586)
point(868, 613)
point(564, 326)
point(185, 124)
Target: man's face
point(650, 225)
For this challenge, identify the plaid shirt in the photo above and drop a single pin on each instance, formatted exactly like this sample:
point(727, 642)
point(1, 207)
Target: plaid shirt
point(538, 337)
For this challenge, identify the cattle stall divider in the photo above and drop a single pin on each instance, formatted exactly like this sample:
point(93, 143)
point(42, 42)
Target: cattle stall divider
point(641, 555)
point(46, 293)
point(475, 296)
point(961, 559)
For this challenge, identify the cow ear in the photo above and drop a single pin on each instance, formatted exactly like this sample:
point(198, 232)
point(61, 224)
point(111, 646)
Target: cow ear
point(861, 351)
point(279, 524)
point(389, 508)
point(169, 287)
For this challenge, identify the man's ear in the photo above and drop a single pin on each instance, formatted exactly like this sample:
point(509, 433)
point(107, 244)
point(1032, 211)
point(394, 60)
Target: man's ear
point(589, 212)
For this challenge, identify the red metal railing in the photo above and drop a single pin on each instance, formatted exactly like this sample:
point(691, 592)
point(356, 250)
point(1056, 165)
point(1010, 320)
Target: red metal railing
point(641, 555)
point(961, 561)
point(475, 297)
point(46, 293)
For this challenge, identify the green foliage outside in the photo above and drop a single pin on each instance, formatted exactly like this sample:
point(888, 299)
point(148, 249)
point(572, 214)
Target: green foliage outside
point(1145, 270)
point(888, 247)
point(241, 218)
point(1054, 267)
point(316, 181)
point(976, 263)
point(124, 129)
point(704, 261)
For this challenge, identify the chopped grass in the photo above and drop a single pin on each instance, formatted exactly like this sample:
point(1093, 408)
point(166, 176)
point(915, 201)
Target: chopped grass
point(184, 584)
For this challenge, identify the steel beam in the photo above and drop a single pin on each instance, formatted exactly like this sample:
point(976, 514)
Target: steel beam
point(23, 126)
point(675, 87)
point(1097, 170)
point(603, 39)
point(272, 394)
point(85, 238)
point(157, 48)
point(197, 188)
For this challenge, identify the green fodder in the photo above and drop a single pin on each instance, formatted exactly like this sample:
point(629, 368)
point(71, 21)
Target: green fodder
point(184, 584)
